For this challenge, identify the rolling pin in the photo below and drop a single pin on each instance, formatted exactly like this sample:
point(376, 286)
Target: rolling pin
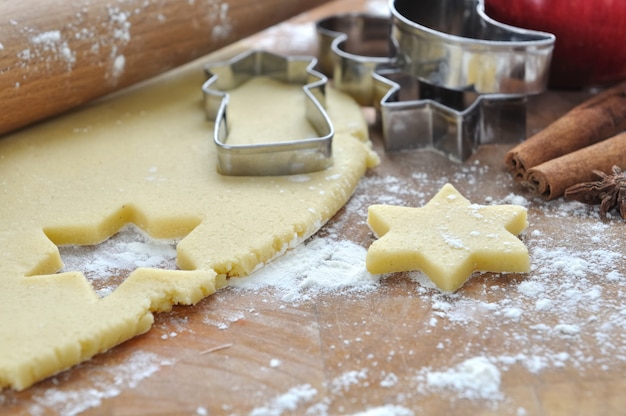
point(58, 56)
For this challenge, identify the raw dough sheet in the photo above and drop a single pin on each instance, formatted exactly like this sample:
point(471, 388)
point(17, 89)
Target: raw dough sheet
point(146, 157)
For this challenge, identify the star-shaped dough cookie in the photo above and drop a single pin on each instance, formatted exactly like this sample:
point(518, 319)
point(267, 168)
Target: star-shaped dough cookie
point(448, 239)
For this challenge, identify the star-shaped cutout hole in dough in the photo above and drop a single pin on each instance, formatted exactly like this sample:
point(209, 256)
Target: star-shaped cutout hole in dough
point(107, 264)
point(448, 239)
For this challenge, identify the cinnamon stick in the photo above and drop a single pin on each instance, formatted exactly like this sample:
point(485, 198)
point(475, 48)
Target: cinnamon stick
point(602, 116)
point(551, 178)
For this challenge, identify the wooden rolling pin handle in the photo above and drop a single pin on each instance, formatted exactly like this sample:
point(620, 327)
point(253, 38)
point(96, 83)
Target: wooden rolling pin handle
point(62, 55)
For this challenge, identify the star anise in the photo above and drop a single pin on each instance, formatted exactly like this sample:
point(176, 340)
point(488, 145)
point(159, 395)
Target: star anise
point(609, 192)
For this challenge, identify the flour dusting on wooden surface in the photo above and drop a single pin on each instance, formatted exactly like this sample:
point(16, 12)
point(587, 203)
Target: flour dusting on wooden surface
point(575, 293)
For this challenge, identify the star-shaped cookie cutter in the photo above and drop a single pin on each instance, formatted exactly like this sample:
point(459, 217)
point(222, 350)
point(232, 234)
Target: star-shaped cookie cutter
point(415, 114)
point(432, 88)
point(280, 157)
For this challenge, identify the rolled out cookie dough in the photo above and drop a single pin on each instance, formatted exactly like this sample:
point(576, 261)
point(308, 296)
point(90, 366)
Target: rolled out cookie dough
point(146, 157)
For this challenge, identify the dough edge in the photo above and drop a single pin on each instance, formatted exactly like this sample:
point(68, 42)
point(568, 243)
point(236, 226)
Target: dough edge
point(30, 259)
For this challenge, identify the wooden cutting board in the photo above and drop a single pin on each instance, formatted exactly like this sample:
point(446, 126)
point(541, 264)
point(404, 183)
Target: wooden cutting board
point(555, 336)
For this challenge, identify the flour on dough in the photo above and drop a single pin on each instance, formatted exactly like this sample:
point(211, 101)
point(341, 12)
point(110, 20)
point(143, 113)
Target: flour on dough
point(146, 157)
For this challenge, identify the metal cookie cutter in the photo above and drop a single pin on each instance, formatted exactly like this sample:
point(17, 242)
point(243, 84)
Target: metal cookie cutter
point(280, 157)
point(424, 110)
point(350, 48)
point(416, 114)
point(454, 44)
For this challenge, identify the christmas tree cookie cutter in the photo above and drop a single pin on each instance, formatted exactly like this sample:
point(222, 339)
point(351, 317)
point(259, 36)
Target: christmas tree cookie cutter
point(442, 75)
point(280, 157)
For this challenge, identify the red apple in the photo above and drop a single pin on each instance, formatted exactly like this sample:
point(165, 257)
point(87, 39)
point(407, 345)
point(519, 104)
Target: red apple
point(590, 46)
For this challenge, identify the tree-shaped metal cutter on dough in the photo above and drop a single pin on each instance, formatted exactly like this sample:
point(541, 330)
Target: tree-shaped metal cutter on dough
point(282, 157)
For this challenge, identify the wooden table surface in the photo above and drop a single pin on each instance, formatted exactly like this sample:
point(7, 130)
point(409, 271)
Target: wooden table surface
point(556, 336)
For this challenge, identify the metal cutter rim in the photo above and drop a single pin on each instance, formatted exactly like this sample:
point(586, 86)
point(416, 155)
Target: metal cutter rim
point(284, 157)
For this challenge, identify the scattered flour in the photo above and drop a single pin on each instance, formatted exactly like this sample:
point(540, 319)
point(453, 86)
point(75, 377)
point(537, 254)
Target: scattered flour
point(224, 319)
point(322, 265)
point(348, 379)
point(389, 410)
point(289, 401)
point(390, 380)
point(474, 378)
point(79, 33)
point(118, 66)
point(82, 36)
point(219, 20)
point(105, 382)
point(49, 46)
point(302, 397)
point(118, 29)
point(129, 249)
